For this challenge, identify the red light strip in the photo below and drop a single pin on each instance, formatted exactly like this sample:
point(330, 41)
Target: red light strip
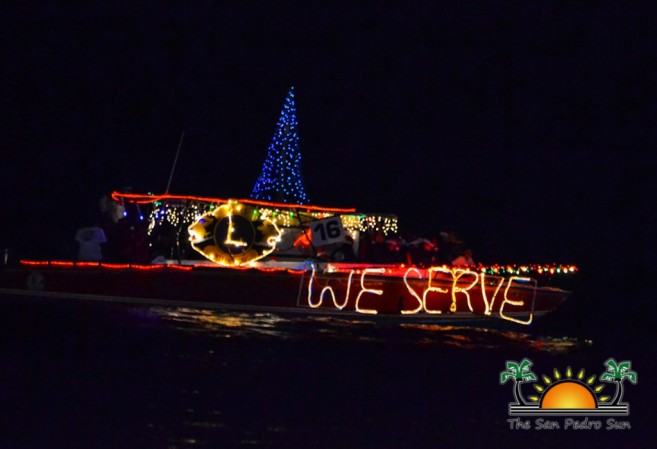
point(111, 266)
point(143, 199)
point(395, 271)
point(142, 267)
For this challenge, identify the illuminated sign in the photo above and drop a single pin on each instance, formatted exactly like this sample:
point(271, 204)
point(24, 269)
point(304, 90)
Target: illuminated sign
point(234, 234)
point(444, 290)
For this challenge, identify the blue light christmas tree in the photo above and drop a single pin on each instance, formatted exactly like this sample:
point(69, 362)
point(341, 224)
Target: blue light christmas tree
point(280, 178)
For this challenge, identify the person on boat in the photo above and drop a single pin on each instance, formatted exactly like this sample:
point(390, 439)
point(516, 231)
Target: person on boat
point(451, 246)
point(422, 252)
point(464, 260)
point(89, 241)
point(132, 242)
point(374, 249)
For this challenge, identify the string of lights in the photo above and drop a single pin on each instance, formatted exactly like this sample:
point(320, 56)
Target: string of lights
point(401, 271)
point(489, 270)
point(181, 214)
point(540, 269)
point(140, 198)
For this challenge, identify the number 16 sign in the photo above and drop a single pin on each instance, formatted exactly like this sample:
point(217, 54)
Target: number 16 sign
point(327, 231)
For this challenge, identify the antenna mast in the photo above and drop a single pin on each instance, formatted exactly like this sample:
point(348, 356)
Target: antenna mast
point(175, 161)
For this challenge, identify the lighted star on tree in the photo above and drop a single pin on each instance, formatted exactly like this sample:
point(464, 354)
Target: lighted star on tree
point(280, 178)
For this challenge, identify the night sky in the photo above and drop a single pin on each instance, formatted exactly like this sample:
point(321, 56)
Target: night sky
point(523, 126)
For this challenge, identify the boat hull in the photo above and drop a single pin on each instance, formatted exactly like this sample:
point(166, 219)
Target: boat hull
point(436, 295)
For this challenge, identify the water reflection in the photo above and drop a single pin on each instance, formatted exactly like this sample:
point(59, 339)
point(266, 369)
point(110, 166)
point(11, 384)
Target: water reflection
point(232, 324)
point(223, 324)
point(327, 375)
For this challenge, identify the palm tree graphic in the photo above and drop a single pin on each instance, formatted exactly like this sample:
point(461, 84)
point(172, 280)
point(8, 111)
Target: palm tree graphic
point(617, 373)
point(519, 373)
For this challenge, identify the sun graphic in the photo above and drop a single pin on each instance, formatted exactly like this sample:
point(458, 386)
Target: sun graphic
point(568, 392)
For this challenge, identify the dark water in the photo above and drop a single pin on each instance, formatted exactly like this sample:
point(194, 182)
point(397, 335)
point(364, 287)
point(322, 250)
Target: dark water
point(87, 375)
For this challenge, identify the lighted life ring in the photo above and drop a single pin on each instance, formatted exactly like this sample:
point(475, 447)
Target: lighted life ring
point(234, 234)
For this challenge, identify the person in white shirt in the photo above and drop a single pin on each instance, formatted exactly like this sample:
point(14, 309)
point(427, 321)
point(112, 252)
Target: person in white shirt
point(464, 260)
point(89, 241)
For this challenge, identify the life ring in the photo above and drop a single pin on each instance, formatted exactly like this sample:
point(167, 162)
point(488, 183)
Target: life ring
point(35, 281)
point(234, 234)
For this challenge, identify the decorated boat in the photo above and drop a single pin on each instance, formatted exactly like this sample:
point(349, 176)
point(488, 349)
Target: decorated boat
point(250, 258)
point(275, 252)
